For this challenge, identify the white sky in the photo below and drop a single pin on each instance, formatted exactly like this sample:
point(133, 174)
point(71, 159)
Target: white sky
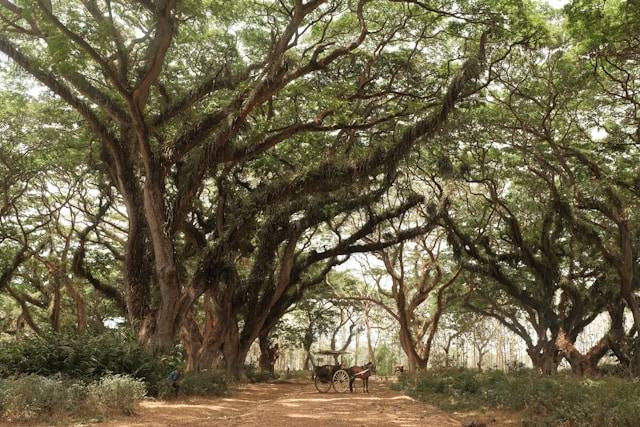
point(557, 4)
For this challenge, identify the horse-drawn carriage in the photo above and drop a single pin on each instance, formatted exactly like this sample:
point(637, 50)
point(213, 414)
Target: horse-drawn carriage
point(337, 376)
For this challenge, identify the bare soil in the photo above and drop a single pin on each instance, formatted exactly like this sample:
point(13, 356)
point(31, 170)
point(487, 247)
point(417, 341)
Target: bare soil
point(297, 404)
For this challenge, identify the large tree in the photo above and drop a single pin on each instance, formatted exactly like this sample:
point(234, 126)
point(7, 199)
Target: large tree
point(222, 125)
point(544, 223)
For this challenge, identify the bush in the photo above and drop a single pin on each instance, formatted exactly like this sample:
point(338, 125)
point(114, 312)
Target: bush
point(34, 397)
point(614, 369)
point(87, 357)
point(561, 399)
point(295, 374)
point(116, 394)
point(204, 383)
point(404, 382)
point(165, 389)
point(257, 375)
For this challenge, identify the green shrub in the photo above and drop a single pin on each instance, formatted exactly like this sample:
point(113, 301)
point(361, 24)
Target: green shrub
point(257, 375)
point(204, 383)
point(406, 380)
point(613, 369)
point(165, 389)
point(561, 399)
point(87, 357)
point(33, 396)
point(295, 374)
point(116, 394)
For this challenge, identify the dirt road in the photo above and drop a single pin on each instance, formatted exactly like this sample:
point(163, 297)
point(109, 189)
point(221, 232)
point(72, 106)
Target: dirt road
point(291, 404)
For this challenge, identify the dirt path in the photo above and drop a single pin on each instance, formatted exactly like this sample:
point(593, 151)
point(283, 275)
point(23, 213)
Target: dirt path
point(290, 404)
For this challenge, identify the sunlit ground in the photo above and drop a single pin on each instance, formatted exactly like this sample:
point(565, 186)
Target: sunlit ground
point(292, 404)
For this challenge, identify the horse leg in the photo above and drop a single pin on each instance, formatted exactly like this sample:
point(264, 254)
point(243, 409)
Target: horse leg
point(351, 381)
point(366, 384)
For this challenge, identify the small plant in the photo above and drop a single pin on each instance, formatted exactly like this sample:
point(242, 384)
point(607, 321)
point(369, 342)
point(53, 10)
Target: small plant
point(203, 383)
point(165, 389)
point(33, 397)
point(116, 393)
point(295, 374)
point(257, 375)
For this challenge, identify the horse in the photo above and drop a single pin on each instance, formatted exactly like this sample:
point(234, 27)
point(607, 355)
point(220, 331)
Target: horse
point(363, 372)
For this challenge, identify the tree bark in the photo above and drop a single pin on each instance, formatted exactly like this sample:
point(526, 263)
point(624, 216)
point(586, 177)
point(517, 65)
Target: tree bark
point(80, 306)
point(370, 349)
point(268, 354)
point(544, 357)
point(414, 360)
point(55, 304)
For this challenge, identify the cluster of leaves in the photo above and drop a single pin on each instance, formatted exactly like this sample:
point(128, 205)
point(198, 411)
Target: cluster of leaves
point(543, 400)
point(203, 383)
point(86, 357)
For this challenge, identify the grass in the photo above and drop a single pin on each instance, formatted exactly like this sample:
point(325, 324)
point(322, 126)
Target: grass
point(36, 398)
point(559, 400)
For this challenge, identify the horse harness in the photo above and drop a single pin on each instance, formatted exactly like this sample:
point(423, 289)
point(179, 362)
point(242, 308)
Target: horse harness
point(362, 372)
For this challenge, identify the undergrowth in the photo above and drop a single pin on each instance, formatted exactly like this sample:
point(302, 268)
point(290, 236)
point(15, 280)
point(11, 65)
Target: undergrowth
point(36, 398)
point(557, 400)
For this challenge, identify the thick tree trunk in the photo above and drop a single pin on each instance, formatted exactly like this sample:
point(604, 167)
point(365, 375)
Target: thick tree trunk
point(208, 346)
point(137, 274)
point(234, 352)
point(622, 342)
point(414, 360)
point(80, 306)
point(446, 349)
point(165, 269)
point(268, 354)
point(479, 364)
point(307, 342)
point(370, 349)
point(308, 360)
point(192, 339)
point(55, 305)
point(544, 357)
point(582, 364)
point(627, 266)
point(216, 344)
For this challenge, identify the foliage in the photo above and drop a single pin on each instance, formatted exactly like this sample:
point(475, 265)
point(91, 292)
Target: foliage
point(257, 375)
point(238, 149)
point(543, 400)
point(86, 357)
point(204, 383)
point(312, 318)
point(295, 374)
point(35, 397)
point(386, 359)
point(116, 393)
point(216, 160)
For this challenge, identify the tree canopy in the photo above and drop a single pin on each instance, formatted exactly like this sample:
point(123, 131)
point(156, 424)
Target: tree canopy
point(199, 168)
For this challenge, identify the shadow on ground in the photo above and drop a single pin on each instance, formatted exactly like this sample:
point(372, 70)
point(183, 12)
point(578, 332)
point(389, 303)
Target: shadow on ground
point(291, 404)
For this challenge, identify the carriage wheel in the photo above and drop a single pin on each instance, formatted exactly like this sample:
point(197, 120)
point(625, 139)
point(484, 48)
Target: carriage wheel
point(341, 381)
point(322, 386)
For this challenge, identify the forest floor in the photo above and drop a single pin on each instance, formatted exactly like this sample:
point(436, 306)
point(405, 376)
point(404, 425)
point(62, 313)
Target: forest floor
point(299, 404)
